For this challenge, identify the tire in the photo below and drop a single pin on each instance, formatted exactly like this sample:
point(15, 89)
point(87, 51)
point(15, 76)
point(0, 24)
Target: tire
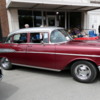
point(5, 63)
point(84, 71)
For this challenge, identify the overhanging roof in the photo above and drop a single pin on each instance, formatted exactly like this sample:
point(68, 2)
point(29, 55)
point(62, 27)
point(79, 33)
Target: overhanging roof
point(49, 5)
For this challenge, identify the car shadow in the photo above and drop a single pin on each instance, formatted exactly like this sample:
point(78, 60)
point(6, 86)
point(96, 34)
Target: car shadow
point(6, 90)
point(98, 77)
point(64, 73)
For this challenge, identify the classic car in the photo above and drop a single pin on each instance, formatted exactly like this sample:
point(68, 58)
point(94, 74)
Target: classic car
point(51, 48)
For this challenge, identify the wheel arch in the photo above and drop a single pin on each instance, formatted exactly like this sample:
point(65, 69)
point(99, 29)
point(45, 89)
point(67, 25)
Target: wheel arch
point(84, 59)
point(4, 57)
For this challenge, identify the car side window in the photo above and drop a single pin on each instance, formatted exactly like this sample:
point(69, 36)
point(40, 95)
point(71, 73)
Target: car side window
point(57, 36)
point(20, 38)
point(35, 37)
point(39, 37)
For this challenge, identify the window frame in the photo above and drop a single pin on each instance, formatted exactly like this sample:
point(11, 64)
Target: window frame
point(12, 38)
point(56, 42)
point(42, 33)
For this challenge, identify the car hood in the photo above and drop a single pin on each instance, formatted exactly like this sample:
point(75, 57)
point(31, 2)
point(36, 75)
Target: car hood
point(89, 43)
point(79, 47)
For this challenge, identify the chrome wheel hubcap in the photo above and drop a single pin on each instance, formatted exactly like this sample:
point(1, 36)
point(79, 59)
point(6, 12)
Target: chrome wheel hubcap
point(82, 71)
point(4, 62)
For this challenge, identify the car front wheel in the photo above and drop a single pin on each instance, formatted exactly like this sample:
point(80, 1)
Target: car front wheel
point(84, 71)
point(5, 63)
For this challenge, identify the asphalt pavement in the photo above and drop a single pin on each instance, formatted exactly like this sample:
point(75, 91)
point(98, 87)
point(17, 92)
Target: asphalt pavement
point(24, 83)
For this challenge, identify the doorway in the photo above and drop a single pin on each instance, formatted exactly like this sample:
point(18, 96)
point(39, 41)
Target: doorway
point(74, 20)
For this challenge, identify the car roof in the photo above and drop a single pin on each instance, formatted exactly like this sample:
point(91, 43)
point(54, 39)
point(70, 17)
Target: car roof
point(35, 29)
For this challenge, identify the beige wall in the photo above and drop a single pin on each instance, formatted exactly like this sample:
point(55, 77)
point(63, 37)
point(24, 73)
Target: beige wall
point(13, 19)
point(94, 19)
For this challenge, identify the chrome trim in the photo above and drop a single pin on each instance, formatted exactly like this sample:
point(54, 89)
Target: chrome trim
point(4, 50)
point(37, 67)
point(12, 50)
point(85, 55)
point(78, 55)
point(82, 71)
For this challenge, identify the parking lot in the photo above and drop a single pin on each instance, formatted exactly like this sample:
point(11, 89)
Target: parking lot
point(24, 83)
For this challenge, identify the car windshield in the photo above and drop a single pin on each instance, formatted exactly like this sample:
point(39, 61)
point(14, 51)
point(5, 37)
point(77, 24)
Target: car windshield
point(59, 35)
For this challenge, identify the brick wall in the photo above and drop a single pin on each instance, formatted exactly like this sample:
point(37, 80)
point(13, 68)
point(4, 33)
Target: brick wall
point(3, 18)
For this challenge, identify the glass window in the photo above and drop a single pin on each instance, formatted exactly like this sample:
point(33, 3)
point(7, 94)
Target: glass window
point(20, 38)
point(75, 19)
point(25, 17)
point(44, 18)
point(51, 13)
point(61, 19)
point(37, 18)
point(36, 37)
point(39, 37)
point(57, 36)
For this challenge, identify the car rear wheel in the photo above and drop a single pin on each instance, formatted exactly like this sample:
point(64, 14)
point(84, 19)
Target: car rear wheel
point(84, 71)
point(5, 63)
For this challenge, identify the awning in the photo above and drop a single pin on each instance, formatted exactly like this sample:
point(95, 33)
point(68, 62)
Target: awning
point(52, 5)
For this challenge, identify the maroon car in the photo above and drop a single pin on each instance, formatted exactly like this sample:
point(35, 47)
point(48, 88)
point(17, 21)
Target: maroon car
point(53, 49)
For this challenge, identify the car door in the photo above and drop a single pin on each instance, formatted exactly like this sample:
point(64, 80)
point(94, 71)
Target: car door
point(18, 46)
point(41, 53)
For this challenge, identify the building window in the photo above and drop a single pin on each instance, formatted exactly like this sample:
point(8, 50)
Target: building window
point(61, 19)
point(25, 17)
point(33, 18)
point(37, 18)
point(75, 19)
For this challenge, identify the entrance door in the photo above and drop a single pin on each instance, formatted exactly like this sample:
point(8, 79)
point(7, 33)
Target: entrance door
point(51, 20)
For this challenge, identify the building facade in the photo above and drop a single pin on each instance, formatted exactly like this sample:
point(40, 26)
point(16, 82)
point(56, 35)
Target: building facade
point(36, 13)
point(94, 17)
point(4, 30)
